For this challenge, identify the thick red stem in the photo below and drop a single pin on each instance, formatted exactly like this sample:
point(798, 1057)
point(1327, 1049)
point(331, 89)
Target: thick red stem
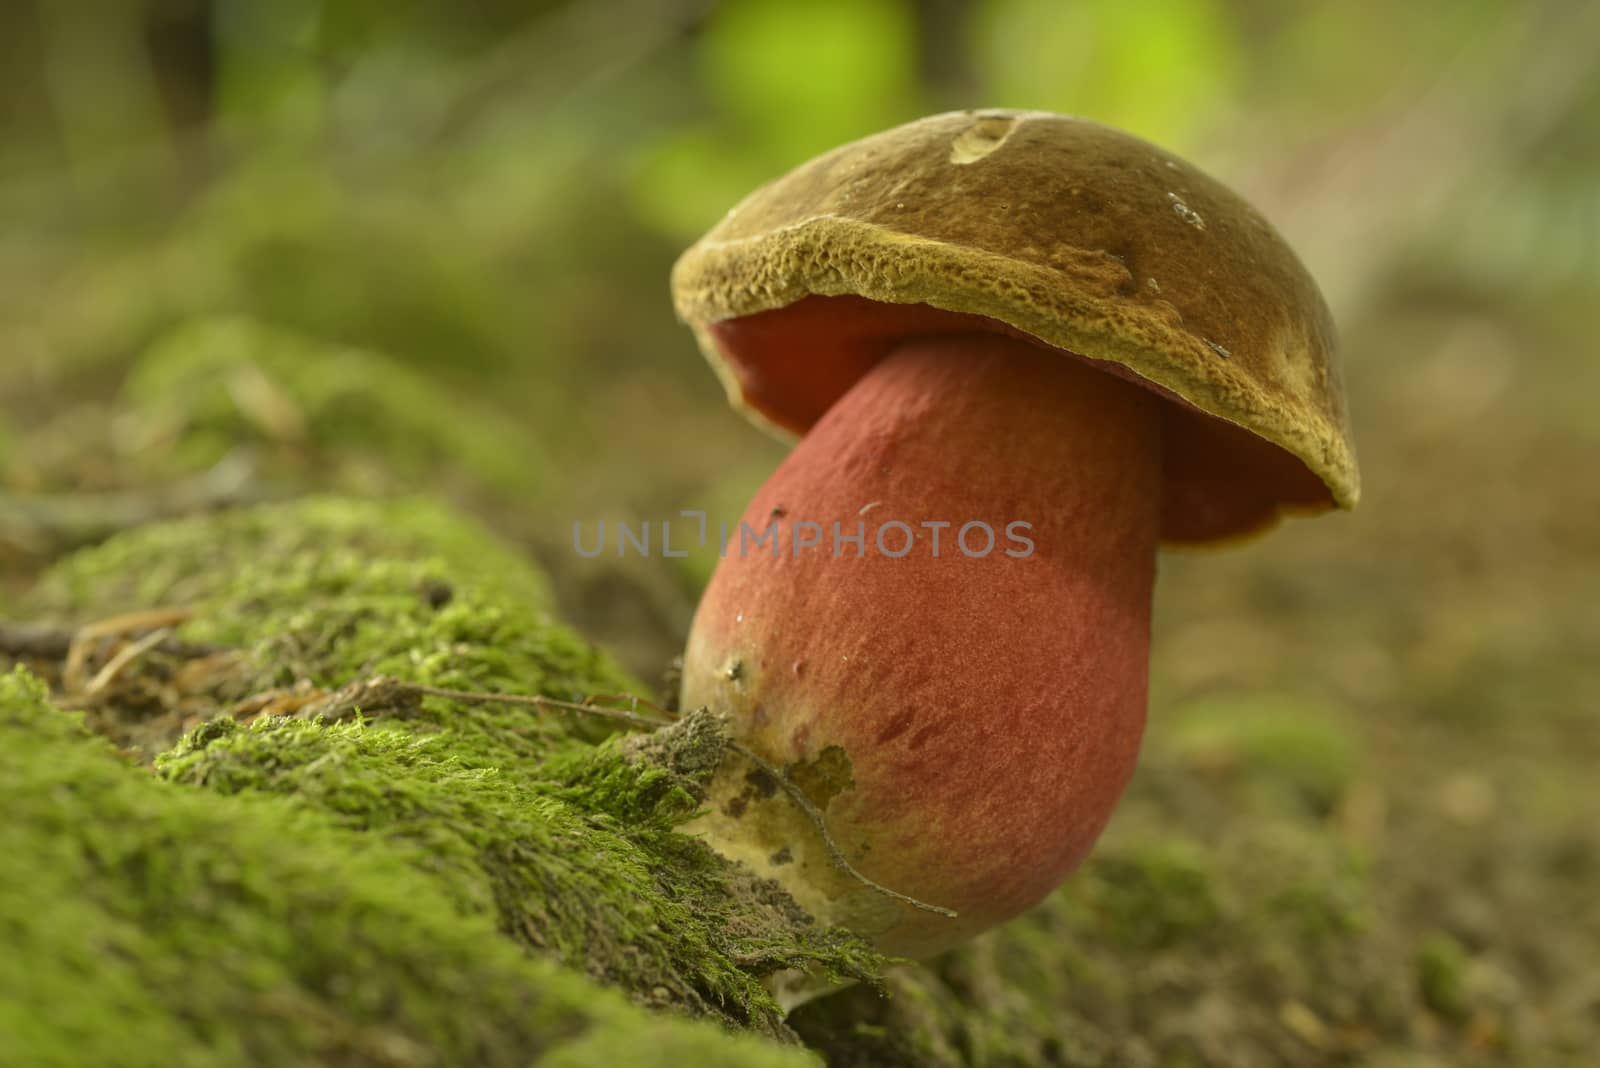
point(965, 720)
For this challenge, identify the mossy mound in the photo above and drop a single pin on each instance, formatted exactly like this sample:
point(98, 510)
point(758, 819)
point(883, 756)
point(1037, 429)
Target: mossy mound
point(369, 858)
point(285, 879)
point(324, 591)
point(346, 418)
point(151, 924)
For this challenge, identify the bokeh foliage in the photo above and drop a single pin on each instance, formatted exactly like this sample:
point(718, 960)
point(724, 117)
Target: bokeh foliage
point(1365, 827)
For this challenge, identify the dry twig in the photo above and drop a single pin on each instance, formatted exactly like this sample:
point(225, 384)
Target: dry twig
point(20, 640)
point(128, 624)
point(125, 656)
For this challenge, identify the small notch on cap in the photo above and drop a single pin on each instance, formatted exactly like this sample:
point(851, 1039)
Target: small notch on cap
point(987, 133)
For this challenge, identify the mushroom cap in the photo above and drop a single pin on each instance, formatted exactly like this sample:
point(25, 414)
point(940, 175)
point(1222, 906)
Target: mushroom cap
point(1061, 231)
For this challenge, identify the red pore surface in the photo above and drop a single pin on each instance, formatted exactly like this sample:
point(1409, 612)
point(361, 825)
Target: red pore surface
point(989, 694)
point(1219, 480)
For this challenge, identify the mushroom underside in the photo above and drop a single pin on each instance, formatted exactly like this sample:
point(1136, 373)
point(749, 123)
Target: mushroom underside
point(790, 365)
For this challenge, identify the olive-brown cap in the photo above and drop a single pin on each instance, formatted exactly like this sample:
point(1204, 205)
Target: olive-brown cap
point(1069, 233)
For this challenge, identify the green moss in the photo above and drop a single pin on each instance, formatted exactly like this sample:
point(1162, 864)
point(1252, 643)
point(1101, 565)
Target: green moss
point(1441, 966)
point(151, 924)
point(1286, 745)
point(359, 419)
point(326, 590)
point(512, 815)
point(315, 546)
point(1151, 896)
point(1307, 891)
point(576, 857)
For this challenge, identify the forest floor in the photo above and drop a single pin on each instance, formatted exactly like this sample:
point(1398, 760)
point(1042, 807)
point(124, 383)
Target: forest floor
point(1364, 829)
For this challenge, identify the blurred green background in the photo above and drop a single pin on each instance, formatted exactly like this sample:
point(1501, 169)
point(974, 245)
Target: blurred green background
point(248, 248)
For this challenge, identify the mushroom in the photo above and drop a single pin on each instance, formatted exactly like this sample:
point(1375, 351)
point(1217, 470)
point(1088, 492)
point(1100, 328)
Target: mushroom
point(1022, 350)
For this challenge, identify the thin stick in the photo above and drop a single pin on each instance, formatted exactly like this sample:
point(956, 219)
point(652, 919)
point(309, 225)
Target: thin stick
point(814, 814)
point(43, 525)
point(53, 641)
point(47, 641)
point(534, 701)
point(126, 623)
point(634, 701)
point(127, 655)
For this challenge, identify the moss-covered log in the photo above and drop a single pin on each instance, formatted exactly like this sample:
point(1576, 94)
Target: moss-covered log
point(423, 881)
point(259, 843)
